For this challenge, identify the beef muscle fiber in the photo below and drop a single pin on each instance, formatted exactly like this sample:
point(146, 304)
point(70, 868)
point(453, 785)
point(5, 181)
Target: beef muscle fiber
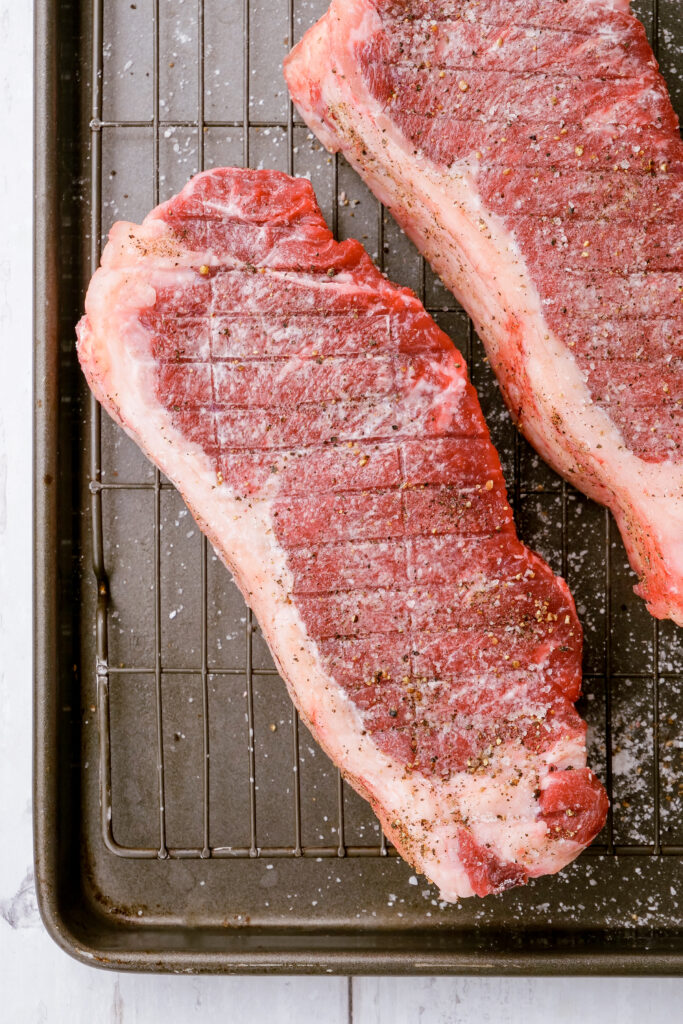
point(530, 150)
point(323, 432)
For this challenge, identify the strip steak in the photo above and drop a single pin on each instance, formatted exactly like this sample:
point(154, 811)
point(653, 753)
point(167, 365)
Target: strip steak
point(530, 150)
point(324, 434)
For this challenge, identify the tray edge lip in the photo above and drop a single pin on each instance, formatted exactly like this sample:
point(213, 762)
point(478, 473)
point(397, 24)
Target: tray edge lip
point(44, 457)
point(44, 784)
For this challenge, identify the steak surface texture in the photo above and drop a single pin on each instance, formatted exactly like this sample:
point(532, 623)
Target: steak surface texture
point(530, 150)
point(323, 432)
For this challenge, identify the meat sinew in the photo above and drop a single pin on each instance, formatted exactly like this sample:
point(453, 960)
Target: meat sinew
point(530, 150)
point(324, 434)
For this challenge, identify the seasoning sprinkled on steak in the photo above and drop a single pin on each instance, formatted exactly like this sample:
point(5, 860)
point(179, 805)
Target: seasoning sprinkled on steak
point(323, 431)
point(530, 150)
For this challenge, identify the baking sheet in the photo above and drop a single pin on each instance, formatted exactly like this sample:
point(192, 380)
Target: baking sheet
point(165, 838)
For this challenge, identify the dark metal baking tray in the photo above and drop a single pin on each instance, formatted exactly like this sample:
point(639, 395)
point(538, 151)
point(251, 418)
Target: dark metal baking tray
point(184, 820)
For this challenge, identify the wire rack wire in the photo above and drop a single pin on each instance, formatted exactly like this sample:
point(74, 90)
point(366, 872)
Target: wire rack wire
point(158, 671)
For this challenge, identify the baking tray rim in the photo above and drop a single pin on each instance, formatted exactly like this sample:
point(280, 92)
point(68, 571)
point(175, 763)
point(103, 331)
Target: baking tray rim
point(362, 959)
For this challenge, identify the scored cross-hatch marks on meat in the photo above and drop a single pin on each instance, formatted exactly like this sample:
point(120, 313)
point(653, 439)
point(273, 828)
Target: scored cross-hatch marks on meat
point(530, 150)
point(323, 432)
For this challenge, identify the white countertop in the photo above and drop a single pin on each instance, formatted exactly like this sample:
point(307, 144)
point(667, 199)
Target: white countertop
point(37, 981)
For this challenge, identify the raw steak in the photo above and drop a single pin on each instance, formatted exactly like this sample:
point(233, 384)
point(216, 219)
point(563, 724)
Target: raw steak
point(530, 150)
point(323, 431)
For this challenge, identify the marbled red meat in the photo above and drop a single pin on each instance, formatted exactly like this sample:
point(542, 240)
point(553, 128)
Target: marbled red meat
point(531, 151)
point(323, 431)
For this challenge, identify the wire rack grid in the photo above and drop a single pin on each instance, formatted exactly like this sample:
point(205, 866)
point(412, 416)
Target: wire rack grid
point(101, 485)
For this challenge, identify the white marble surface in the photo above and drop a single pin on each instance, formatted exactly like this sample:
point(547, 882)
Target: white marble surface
point(37, 981)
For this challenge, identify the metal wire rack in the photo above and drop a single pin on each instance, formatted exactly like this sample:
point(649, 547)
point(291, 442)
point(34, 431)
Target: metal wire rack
point(650, 668)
